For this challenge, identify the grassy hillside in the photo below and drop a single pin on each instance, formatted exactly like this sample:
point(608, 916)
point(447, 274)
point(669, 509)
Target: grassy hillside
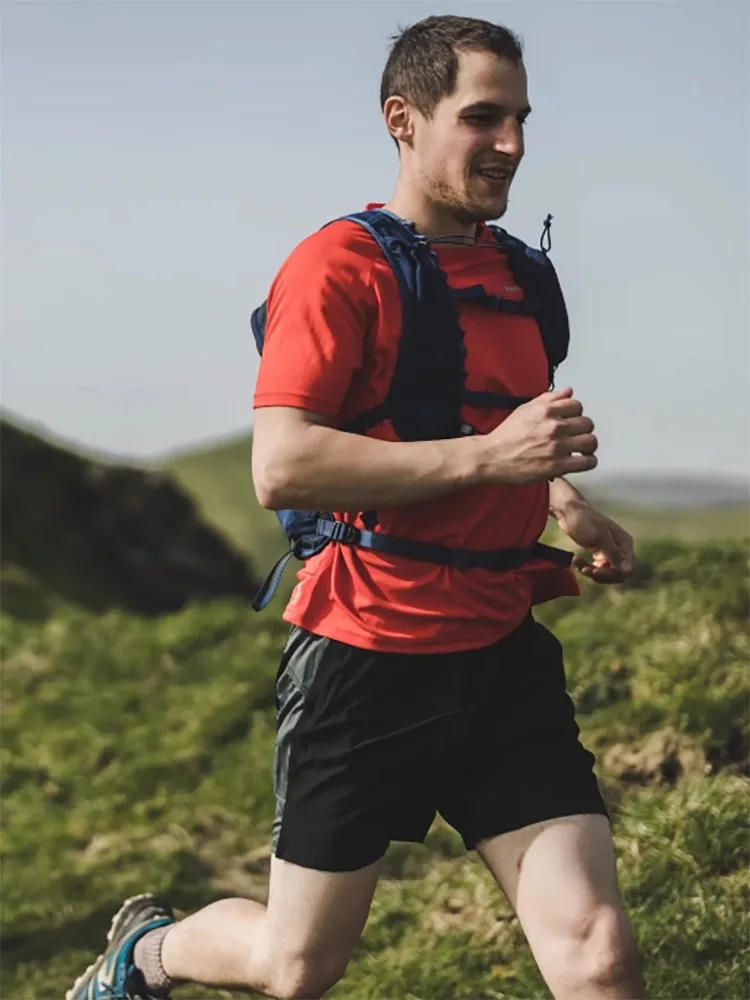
point(137, 755)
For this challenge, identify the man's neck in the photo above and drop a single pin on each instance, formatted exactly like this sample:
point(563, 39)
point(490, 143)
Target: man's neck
point(429, 219)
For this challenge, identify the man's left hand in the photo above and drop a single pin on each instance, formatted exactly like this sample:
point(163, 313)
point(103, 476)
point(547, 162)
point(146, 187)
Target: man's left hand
point(612, 549)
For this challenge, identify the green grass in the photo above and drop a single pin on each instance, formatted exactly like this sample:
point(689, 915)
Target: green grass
point(136, 754)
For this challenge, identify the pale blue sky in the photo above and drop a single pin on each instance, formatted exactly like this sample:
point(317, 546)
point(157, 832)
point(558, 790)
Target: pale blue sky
point(161, 159)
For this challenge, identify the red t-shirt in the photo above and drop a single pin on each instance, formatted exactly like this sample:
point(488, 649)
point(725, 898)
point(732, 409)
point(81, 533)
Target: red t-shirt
point(334, 316)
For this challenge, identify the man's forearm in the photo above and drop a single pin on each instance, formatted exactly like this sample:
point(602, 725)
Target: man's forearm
point(561, 495)
point(328, 469)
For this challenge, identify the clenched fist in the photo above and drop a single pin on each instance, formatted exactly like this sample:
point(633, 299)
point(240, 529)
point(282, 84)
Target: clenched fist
point(543, 439)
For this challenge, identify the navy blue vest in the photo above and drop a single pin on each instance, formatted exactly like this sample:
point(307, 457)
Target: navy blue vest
point(427, 389)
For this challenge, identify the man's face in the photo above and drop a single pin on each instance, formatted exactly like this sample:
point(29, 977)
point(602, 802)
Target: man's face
point(467, 153)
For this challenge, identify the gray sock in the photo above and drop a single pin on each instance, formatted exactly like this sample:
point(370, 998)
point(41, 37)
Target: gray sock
point(147, 958)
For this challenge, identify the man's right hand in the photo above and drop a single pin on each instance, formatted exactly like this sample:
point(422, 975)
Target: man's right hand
point(543, 439)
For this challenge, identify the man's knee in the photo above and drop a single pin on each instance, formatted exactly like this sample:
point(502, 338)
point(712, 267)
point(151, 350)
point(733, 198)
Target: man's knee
point(599, 950)
point(305, 977)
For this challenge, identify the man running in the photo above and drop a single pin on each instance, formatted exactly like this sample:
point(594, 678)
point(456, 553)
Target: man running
point(408, 687)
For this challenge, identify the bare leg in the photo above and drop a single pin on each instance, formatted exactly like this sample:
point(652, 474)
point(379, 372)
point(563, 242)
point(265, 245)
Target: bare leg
point(561, 879)
point(299, 946)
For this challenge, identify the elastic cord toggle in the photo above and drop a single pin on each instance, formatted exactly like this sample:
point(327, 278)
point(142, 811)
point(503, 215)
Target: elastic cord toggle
point(545, 243)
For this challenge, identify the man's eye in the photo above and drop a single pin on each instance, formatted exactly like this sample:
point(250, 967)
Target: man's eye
point(489, 121)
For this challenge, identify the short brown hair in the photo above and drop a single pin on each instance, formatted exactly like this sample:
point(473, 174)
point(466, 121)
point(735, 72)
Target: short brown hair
point(423, 63)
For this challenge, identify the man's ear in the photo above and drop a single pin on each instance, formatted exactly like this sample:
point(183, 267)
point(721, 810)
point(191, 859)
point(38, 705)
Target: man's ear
point(399, 119)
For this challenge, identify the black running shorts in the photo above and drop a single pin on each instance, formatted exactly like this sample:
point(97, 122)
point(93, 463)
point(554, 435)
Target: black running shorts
point(371, 745)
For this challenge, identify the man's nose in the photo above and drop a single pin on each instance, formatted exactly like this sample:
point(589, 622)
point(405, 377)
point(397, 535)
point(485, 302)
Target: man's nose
point(509, 138)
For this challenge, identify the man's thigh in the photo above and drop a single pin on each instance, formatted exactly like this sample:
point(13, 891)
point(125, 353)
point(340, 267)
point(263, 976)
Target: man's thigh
point(550, 868)
point(561, 878)
point(316, 918)
point(520, 760)
point(529, 802)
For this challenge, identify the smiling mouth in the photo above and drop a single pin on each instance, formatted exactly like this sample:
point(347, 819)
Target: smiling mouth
point(495, 174)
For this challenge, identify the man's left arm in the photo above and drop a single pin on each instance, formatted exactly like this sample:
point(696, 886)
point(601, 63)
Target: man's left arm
point(611, 547)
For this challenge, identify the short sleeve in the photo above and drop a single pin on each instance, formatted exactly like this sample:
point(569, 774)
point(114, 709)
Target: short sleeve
point(318, 311)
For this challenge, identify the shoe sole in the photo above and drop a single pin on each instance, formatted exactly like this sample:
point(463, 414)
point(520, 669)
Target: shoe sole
point(114, 926)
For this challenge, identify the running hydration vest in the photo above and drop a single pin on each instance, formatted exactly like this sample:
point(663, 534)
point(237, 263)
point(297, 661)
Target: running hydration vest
point(427, 390)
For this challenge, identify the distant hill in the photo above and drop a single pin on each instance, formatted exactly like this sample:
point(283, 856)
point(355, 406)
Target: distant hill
point(103, 535)
point(675, 490)
point(219, 479)
point(51, 545)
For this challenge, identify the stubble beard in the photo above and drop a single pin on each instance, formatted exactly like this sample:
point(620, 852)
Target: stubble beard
point(459, 204)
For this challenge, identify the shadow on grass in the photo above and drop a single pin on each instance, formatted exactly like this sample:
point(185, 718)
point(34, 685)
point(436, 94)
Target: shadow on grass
point(41, 942)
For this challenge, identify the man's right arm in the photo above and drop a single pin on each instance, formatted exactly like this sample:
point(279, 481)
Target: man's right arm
point(320, 307)
point(300, 463)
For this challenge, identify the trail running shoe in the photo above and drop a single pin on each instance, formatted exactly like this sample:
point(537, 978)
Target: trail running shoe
point(113, 976)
